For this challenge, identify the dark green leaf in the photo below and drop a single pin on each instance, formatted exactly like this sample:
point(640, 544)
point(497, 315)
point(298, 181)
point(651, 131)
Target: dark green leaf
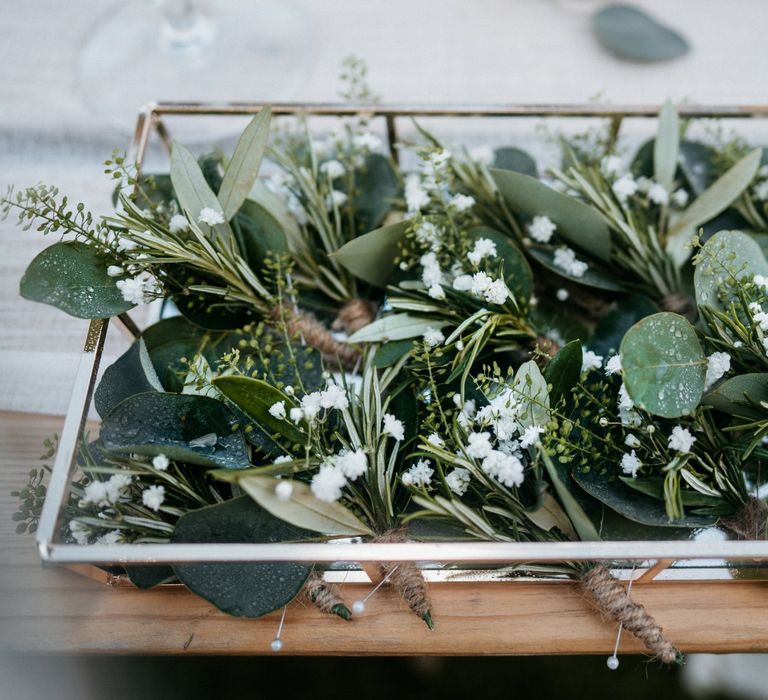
point(630, 33)
point(376, 187)
point(563, 370)
point(132, 373)
point(73, 277)
point(371, 257)
point(146, 577)
point(612, 327)
point(157, 423)
point(632, 504)
point(240, 589)
point(576, 222)
point(738, 395)
point(516, 159)
point(258, 232)
point(168, 341)
point(389, 353)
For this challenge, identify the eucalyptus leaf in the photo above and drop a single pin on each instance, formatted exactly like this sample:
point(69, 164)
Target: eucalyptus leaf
point(255, 397)
point(371, 257)
point(517, 271)
point(192, 190)
point(663, 365)
point(739, 395)
point(243, 168)
point(666, 146)
point(73, 277)
point(632, 504)
point(395, 327)
point(612, 327)
point(516, 159)
point(577, 222)
point(717, 197)
point(697, 165)
point(149, 576)
point(594, 277)
point(724, 260)
point(630, 33)
point(243, 589)
point(375, 189)
point(563, 370)
point(258, 234)
point(303, 509)
point(171, 424)
point(132, 373)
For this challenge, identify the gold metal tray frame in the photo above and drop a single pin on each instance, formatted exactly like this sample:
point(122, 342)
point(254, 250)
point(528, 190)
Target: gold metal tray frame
point(741, 602)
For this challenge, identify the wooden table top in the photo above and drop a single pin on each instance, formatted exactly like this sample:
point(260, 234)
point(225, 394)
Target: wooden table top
point(56, 610)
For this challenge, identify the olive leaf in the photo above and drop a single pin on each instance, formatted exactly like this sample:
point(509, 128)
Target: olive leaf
point(132, 373)
point(371, 257)
point(395, 327)
point(724, 260)
point(663, 365)
point(303, 509)
point(577, 222)
point(243, 169)
point(243, 589)
point(666, 146)
point(192, 190)
point(717, 197)
point(740, 396)
point(191, 429)
point(579, 519)
point(255, 397)
point(73, 277)
point(630, 33)
point(530, 389)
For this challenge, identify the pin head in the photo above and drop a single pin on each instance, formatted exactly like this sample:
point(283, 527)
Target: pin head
point(276, 645)
point(612, 662)
point(358, 607)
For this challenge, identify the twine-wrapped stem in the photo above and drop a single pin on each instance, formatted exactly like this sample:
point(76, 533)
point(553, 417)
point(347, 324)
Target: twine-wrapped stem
point(325, 596)
point(610, 597)
point(750, 522)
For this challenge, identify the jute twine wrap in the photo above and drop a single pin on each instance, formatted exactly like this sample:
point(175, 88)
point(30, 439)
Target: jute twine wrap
point(406, 578)
point(324, 595)
point(316, 335)
point(749, 523)
point(354, 315)
point(611, 599)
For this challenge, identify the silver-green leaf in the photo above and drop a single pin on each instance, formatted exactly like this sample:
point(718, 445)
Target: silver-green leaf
point(666, 146)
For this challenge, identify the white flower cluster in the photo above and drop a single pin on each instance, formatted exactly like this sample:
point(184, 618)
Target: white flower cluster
point(565, 259)
point(210, 216)
point(541, 229)
point(590, 360)
point(718, 363)
point(481, 285)
point(336, 472)
point(153, 497)
point(484, 248)
point(628, 416)
point(136, 290)
point(625, 185)
point(433, 337)
point(419, 475)
point(681, 440)
point(332, 169)
point(630, 464)
point(310, 406)
point(106, 493)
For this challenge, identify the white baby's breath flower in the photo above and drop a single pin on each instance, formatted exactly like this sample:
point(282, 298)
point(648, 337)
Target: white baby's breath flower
point(479, 445)
point(283, 490)
point(679, 198)
point(133, 290)
point(110, 537)
point(115, 271)
point(210, 216)
point(428, 235)
point(496, 292)
point(480, 282)
point(681, 440)
point(277, 410)
point(416, 197)
point(590, 360)
point(352, 463)
point(541, 229)
point(296, 414)
point(613, 366)
point(624, 187)
point(658, 194)
point(436, 292)
point(482, 154)
point(631, 441)
point(153, 497)
point(160, 462)
point(484, 248)
point(565, 259)
point(282, 459)
point(328, 483)
point(461, 202)
point(463, 283)
point(332, 169)
point(506, 469)
point(178, 223)
point(419, 475)
point(630, 464)
point(334, 396)
point(760, 281)
point(760, 191)
point(335, 198)
point(125, 245)
point(394, 427)
point(718, 363)
point(366, 142)
point(530, 436)
point(458, 480)
point(611, 166)
point(433, 337)
point(80, 532)
point(436, 440)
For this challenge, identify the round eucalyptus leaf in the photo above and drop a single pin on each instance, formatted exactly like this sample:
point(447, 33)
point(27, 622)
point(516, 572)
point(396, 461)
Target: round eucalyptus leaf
point(242, 589)
point(184, 427)
point(73, 277)
point(663, 364)
point(726, 259)
point(511, 158)
point(630, 33)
